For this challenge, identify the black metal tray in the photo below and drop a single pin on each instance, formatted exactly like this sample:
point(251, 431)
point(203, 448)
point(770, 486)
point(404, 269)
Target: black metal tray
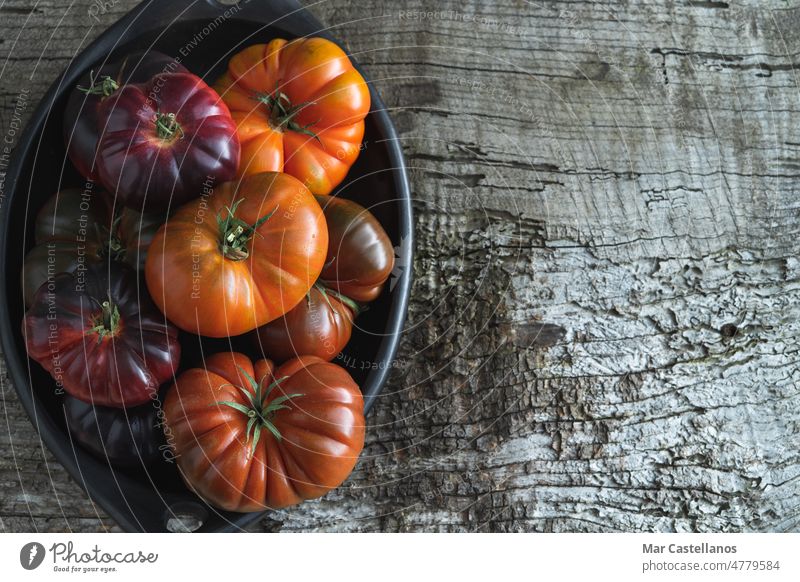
point(146, 500)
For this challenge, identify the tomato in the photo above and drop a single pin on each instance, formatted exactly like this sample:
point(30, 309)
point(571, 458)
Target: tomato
point(79, 227)
point(247, 438)
point(81, 116)
point(299, 107)
point(320, 326)
point(100, 337)
point(359, 260)
point(165, 141)
point(130, 437)
point(234, 260)
point(360, 253)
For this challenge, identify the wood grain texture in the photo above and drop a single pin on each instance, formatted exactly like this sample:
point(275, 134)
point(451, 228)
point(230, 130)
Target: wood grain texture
point(604, 320)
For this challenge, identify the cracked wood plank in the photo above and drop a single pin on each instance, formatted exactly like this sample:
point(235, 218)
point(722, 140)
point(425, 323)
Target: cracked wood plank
point(602, 332)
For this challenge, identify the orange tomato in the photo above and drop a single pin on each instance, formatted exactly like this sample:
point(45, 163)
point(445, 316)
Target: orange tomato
point(238, 258)
point(248, 437)
point(299, 107)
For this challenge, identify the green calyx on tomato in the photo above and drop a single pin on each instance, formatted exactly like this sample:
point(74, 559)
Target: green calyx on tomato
point(235, 233)
point(282, 113)
point(104, 88)
point(259, 412)
point(325, 291)
point(167, 126)
point(114, 249)
point(112, 246)
point(107, 323)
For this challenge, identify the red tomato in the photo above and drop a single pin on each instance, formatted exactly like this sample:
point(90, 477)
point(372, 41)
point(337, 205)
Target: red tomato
point(100, 338)
point(320, 326)
point(248, 439)
point(360, 254)
point(359, 261)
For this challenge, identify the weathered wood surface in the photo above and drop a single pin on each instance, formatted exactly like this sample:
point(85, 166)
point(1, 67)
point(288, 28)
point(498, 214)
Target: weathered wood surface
point(603, 331)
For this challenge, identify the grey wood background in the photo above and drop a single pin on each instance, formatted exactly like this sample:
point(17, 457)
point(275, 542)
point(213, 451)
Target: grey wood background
point(603, 331)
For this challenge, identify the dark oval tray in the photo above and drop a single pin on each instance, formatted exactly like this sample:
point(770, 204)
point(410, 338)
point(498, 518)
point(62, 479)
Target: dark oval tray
point(204, 34)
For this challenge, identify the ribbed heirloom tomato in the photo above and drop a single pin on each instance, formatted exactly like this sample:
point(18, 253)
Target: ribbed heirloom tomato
point(248, 438)
point(83, 122)
point(128, 437)
point(100, 337)
point(76, 228)
point(299, 107)
point(163, 140)
point(238, 258)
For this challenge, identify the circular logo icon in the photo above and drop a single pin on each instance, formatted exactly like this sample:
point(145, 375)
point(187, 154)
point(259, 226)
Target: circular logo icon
point(31, 555)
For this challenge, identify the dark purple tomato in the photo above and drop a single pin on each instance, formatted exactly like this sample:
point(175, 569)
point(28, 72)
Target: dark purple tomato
point(126, 437)
point(80, 227)
point(165, 142)
point(82, 126)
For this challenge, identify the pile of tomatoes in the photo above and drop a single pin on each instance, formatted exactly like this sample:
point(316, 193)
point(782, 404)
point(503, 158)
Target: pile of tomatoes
point(207, 213)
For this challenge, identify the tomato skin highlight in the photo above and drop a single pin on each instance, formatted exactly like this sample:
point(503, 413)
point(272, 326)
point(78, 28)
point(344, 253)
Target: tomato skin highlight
point(164, 140)
point(321, 428)
point(109, 357)
point(83, 122)
point(311, 84)
point(206, 290)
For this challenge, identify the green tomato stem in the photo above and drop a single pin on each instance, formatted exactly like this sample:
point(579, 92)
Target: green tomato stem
point(107, 324)
point(235, 233)
point(259, 412)
point(350, 303)
point(105, 88)
point(167, 126)
point(282, 113)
